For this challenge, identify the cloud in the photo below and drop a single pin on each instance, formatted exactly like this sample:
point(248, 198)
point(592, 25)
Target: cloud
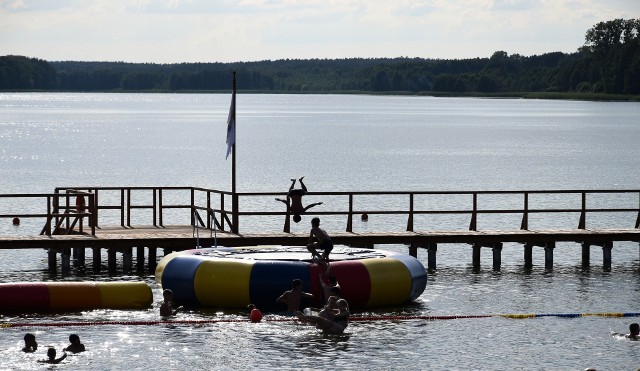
point(167, 31)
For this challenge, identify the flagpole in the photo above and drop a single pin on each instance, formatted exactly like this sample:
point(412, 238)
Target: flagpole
point(234, 195)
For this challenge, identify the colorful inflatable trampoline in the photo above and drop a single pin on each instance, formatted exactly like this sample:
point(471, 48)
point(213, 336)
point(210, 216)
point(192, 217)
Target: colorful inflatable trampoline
point(234, 277)
point(39, 297)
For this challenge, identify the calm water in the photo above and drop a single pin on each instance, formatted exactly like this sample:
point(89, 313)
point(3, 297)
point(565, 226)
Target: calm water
point(340, 143)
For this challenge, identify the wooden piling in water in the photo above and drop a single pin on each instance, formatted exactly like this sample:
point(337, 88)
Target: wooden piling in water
point(606, 255)
point(140, 257)
point(497, 256)
point(475, 257)
point(127, 258)
point(548, 255)
point(432, 250)
point(528, 255)
point(586, 254)
point(111, 259)
point(97, 258)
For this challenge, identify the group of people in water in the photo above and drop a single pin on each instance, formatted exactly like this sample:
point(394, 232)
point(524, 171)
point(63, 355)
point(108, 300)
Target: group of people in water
point(333, 318)
point(31, 346)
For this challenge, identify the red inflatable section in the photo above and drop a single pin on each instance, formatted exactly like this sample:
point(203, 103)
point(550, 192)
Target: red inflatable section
point(17, 296)
point(354, 281)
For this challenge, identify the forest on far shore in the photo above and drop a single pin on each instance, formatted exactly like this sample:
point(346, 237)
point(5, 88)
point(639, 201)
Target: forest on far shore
point(607, 63)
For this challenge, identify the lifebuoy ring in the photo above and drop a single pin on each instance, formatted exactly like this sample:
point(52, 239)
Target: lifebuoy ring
point(80, 205)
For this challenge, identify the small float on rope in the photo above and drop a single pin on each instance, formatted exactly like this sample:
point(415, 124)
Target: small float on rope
point(232, 277)
point(41, 297)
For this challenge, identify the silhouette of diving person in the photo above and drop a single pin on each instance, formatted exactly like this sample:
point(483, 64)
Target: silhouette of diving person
point(295, 195)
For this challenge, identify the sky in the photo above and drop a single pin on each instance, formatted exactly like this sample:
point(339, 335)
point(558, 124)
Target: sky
point(176, 31)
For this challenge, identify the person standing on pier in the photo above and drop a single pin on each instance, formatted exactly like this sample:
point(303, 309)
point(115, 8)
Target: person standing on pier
point(319, 240)
point(295, 195)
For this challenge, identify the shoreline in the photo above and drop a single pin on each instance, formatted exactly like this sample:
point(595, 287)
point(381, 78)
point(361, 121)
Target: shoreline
point(594, 97)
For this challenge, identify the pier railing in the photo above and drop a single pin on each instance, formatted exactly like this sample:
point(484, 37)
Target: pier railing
point(63, 211)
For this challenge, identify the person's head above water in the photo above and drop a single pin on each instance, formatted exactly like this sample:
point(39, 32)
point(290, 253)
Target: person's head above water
point(634, 329)
point(297, 218)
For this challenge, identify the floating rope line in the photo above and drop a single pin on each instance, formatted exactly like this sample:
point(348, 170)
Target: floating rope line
point(291, 319)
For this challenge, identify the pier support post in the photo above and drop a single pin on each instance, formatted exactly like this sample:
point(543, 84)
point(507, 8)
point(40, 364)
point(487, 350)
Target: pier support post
point(497, 256)
point(152, 257)
point(127, 258)
point(606, 255)
point(51, 255)
point(528, 255)
point(476, 256)
point(548, 255)
point(586, 254)
point(66, 259)
point(432, 249)
point(140, 257)
point(78, 256)
point(111, 259)
point(97, 258)
point(413, 250)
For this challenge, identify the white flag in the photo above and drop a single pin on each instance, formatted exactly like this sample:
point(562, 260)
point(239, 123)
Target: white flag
point(231, 125)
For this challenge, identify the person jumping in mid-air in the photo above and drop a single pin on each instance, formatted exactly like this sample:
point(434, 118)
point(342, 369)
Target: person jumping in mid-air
point(295, 195)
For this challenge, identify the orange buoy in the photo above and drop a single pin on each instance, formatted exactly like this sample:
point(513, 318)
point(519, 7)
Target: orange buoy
point(256, 315)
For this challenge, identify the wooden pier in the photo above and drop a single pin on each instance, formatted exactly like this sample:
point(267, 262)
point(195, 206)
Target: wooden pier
point(73, 222)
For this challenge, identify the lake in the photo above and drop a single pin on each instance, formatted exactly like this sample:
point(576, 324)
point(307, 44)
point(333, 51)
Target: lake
point(339, 143)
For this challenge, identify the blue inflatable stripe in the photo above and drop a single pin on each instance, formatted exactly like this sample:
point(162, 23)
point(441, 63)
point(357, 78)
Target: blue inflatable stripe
point(269, 279)
point(178, 275)
point(416, 271)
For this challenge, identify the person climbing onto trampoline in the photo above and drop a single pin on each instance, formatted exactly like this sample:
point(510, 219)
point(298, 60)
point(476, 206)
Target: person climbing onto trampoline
point(295, 195)
point(319, 239)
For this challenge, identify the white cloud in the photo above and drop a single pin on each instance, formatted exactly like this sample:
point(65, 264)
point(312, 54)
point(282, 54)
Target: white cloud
point(224, 30)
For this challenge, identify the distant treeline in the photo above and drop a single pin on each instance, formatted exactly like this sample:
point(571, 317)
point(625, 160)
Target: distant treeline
point(609, 62)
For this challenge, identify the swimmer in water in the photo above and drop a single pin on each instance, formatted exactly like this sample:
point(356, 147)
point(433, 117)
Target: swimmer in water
point(51, 353)
point(294, 296)
point(30, 343)
point(76, 346)
point(332, 319)
point(634, 332)
point(166, 309)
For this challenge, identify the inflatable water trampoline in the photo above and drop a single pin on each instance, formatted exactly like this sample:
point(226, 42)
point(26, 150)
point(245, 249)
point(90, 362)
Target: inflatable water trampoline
point(232, 277)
